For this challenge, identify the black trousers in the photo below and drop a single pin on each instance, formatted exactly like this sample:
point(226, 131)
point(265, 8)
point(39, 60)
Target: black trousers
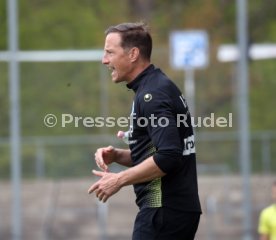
point(165, 224)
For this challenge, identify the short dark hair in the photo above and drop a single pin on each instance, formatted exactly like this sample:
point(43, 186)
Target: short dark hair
point(134, 35)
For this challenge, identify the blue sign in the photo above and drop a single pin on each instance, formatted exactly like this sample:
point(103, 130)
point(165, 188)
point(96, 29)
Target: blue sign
point(189, 49)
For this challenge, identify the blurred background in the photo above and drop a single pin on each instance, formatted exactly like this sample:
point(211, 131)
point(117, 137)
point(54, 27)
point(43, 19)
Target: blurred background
point(45, 171)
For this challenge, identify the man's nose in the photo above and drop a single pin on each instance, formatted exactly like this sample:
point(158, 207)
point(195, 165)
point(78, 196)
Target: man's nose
point(104, 59)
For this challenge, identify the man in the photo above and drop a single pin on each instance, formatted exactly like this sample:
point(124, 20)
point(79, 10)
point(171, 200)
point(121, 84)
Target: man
point(161, 158)
point(267, 221)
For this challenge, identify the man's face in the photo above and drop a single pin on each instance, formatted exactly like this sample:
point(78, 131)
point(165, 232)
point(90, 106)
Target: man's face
point(117, 59)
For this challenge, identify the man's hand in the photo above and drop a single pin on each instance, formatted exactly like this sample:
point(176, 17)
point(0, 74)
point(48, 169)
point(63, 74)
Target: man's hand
point(105, 156)
point(106, 186)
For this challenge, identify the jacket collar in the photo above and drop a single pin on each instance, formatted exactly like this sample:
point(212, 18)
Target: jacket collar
point(135, 83)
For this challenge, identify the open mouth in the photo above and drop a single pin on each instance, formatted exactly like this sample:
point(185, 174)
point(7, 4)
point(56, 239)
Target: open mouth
point(112, 69)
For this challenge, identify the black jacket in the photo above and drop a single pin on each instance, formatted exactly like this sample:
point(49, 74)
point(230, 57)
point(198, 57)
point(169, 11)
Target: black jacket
point(161, 127)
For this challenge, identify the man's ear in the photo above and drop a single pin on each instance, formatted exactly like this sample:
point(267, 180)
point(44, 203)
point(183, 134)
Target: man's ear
point(134, 54)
